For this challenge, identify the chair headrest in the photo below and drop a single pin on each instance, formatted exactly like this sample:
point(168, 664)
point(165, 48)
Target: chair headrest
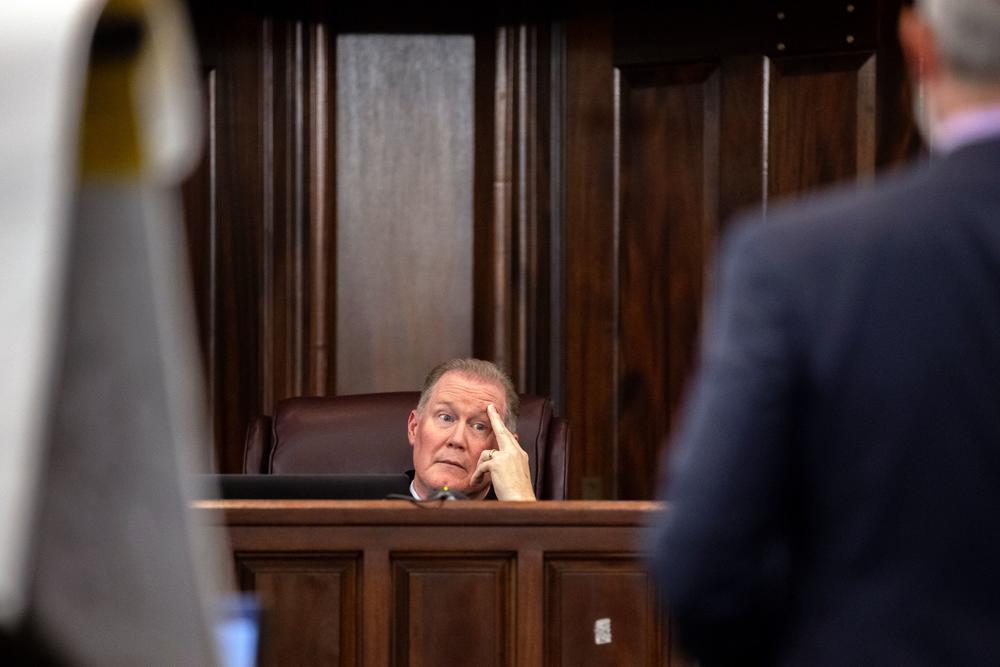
point(367, 433)
point(359, 433)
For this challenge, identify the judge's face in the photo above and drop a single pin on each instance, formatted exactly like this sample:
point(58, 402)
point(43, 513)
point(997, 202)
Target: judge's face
point(451, 432)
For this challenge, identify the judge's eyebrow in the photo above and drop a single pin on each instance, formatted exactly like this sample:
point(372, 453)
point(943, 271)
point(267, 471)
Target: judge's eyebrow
point(437, 405)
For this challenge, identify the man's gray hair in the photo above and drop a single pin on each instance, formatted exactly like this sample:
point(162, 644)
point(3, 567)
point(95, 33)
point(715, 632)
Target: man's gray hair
point(968, 36)
point(480, 370)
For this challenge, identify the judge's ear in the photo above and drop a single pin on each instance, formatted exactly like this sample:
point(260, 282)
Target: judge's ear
point(411, 427)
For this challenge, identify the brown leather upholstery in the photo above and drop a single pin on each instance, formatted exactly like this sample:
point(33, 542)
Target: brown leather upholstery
point(367, 433)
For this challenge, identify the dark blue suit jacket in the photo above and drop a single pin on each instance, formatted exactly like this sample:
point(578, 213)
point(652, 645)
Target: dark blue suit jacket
point(836, 483)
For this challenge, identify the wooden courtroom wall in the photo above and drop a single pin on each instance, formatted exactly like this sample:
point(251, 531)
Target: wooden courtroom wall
point(387, 187)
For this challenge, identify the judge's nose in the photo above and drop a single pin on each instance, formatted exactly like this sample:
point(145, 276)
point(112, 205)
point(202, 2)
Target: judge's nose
point(457, 436)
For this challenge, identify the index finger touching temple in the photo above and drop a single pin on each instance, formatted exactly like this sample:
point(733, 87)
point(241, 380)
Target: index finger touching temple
point(496, 420)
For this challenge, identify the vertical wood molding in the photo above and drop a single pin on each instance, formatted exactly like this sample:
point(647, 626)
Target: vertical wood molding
point(201, 231)
point(266, 269)
point(528, 267)
point(554, 89)
point(539, 270)
point(525, 191)
point(867, 119)
point(743, 123)
point(514, 268)
point(210, 316)
point(485, 157)
point(376, 596)
point(613, 471)
point(301, 259)
point(530, 612)
point(589, 255)
point(288, 177)
point(504, 197)
point(295, 333)
point(322, 208)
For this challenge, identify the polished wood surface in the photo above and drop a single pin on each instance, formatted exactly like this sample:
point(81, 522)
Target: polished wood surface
point(805, 149)
point(591, 258)
point(250, 514)
point(664, 247)
point(404, 207)
point(389, 582)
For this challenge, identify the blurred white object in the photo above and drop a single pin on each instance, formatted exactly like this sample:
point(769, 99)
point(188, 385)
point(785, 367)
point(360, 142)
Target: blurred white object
point(43, 47)
point(106, 394)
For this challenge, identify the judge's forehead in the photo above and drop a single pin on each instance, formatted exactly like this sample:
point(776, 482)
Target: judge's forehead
point(457, 387)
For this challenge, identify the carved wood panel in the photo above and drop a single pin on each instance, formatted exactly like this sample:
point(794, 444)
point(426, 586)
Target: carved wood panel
point(299, 591)
point(600, 612)
point(463, 583)
point(821, 121)
point(453, 610)
point(669, 183)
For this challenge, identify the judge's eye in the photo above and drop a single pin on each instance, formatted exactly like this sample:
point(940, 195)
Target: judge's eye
point(446, 418)
point(481, 427)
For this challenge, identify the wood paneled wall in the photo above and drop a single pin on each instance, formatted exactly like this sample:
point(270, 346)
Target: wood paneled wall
point(675, 121)
point(260, 217)
point(382, 190)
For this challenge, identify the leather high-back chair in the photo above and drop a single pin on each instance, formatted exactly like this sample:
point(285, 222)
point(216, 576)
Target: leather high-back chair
point(366, 433)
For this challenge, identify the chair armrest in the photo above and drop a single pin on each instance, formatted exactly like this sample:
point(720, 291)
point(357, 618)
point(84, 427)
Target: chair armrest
point(557, 463)
point(257, 447)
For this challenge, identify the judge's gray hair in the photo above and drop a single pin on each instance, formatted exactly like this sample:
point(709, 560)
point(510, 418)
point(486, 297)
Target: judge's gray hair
point(480, 370)
point(968, 37)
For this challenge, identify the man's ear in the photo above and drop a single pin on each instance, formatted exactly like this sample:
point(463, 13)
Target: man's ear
point(411, 427)
point(919, 47)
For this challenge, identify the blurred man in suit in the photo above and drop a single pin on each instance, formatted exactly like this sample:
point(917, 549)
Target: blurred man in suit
point(837, 473)
point(464, 434)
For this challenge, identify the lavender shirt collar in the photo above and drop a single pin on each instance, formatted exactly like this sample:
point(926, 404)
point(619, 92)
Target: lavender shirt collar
point(967, 128)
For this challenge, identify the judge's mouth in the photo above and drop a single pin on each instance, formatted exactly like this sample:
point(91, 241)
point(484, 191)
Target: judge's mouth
point(453, 464)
